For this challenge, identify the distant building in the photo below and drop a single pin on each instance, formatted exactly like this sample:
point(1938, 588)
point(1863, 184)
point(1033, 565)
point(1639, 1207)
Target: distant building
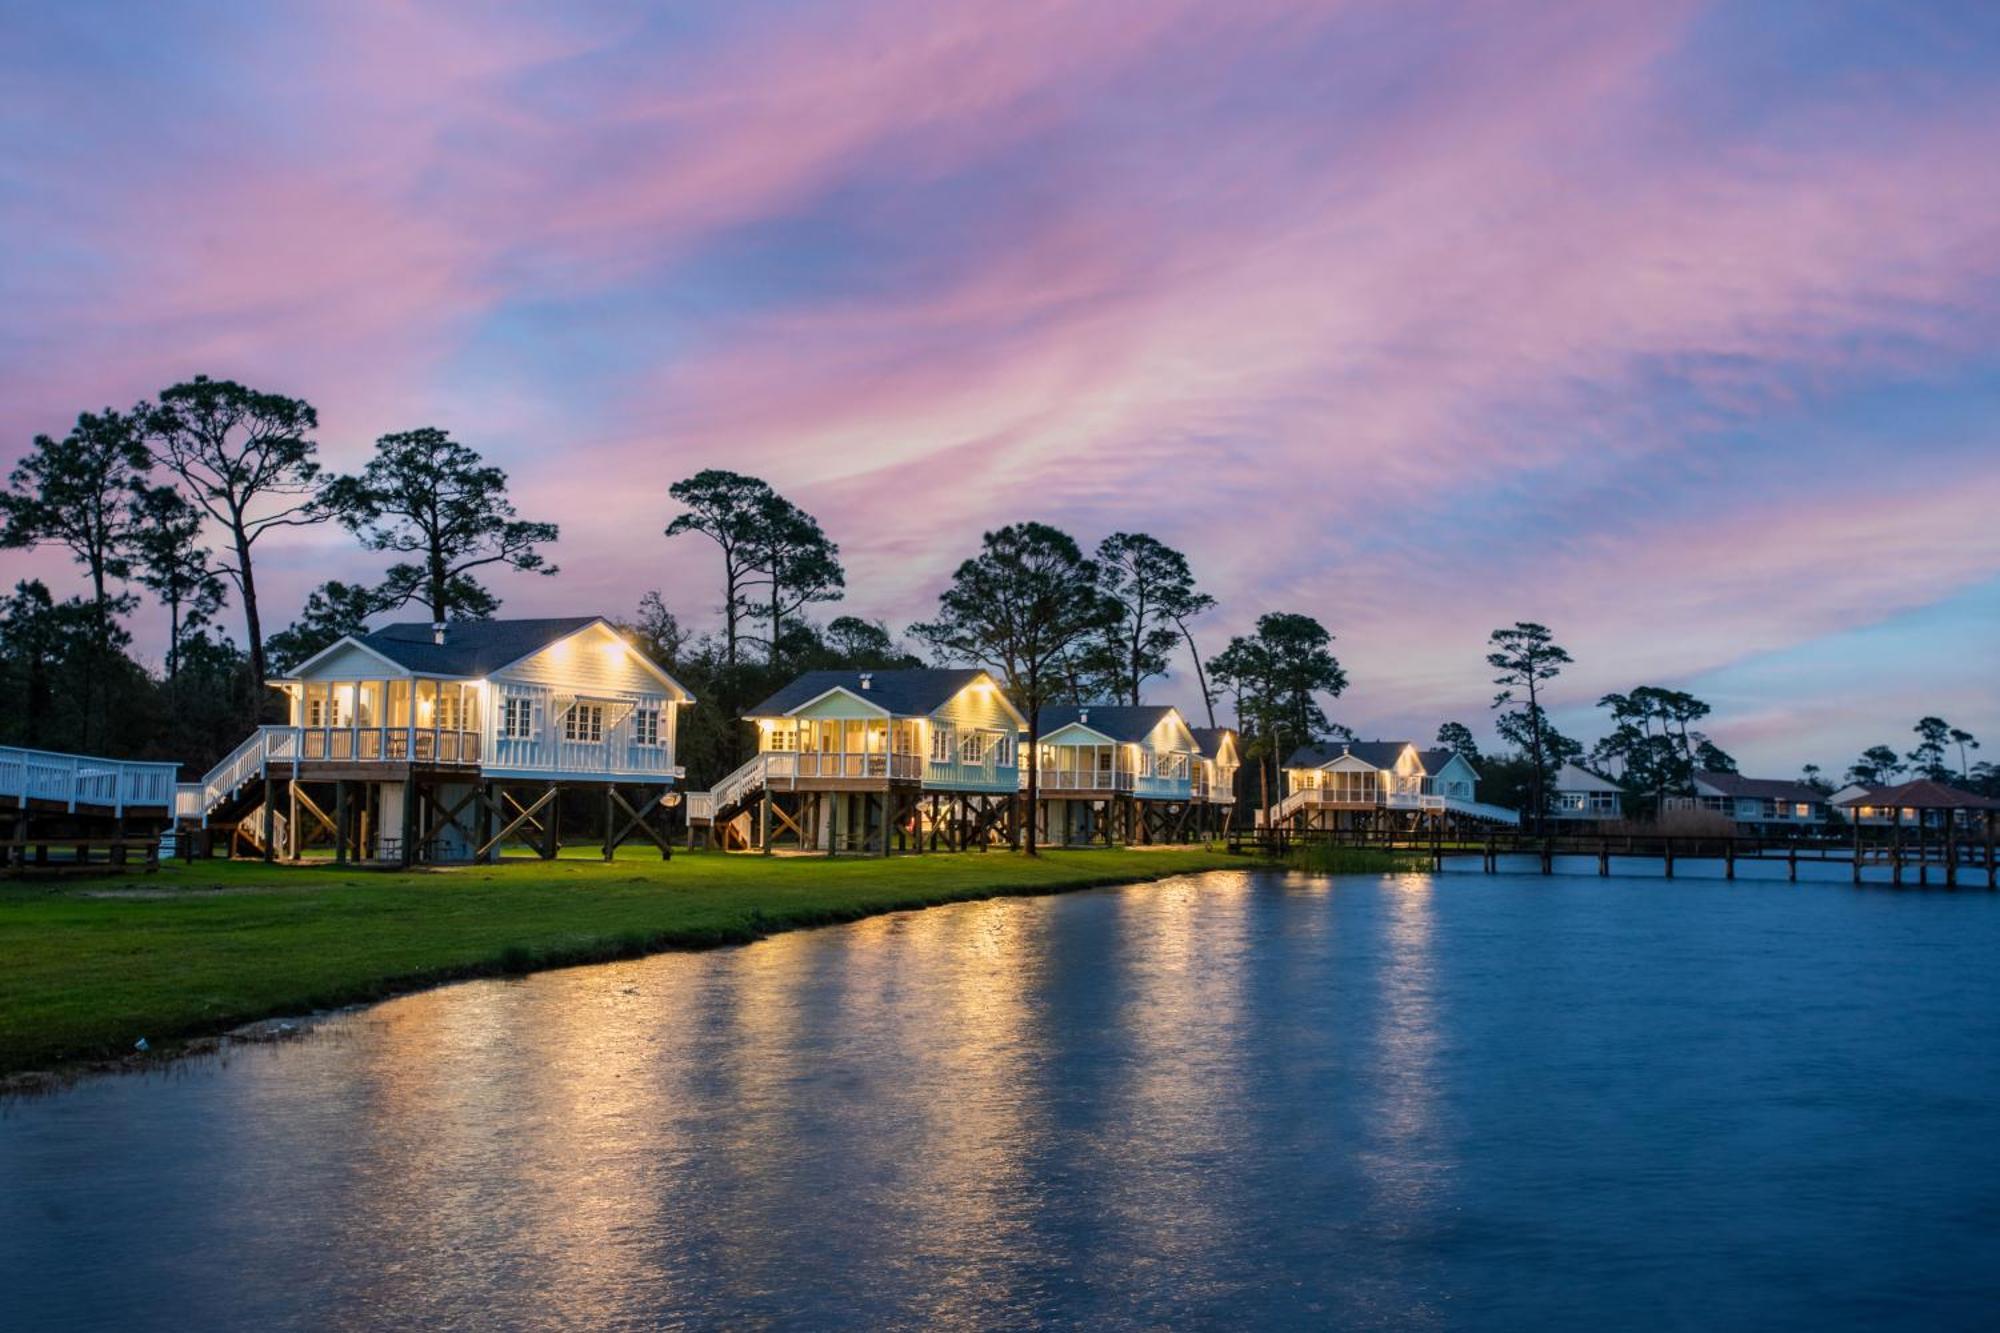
point(1756, 805)
point(1379, 785)
point(1583, 797)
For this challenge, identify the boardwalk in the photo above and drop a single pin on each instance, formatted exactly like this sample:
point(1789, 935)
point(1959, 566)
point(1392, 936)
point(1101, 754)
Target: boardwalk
point(1907, 855)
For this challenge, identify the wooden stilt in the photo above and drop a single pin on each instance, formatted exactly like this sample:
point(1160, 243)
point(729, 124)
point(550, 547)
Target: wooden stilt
point(340, 816)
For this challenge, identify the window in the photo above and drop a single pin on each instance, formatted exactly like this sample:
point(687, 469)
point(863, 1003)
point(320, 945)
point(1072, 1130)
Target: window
point(943, 741)
point(1003, 750)
point(646, 726)
point(584, 722)
point(517, 719)
point(972, 749)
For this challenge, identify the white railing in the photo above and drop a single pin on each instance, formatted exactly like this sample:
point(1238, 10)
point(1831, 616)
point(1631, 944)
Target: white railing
point(701, 807)
point(1078, 779)
point(82, 780)
point(248, 762)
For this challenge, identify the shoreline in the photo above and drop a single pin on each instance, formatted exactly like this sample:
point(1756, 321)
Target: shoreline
point(759, 916)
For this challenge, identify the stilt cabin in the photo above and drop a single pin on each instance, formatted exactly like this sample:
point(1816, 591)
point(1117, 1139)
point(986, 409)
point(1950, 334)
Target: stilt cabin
point(916, 759)
point(1380, 785)
point(1217, 758)
point(1114, 773)
point(423, 742)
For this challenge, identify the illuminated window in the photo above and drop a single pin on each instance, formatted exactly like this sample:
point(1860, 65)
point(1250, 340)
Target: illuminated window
point(943, 741)
point(585, 723)
point(646, 726)
point(517, 719)
point(972, 749)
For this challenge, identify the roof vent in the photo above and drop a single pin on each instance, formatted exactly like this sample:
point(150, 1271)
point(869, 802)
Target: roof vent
point(437, 633)
point(867, 680)
point(1083, 716)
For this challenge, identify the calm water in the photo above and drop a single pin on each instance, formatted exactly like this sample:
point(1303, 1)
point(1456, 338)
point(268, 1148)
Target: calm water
point(1232, 1100)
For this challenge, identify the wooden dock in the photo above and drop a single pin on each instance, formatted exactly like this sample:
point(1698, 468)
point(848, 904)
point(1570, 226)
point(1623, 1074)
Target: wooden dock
point(1911, 856)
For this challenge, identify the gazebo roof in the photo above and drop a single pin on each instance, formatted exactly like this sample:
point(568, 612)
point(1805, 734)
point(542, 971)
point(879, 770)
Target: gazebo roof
point(1924, 794)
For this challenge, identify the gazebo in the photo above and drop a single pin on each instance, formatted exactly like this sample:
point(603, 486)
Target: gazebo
point(1920, 798)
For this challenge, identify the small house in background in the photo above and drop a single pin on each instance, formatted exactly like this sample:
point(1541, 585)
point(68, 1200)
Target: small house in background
point(1755, 805)
point(1354, 785)
point(1217, 759)
point(924, 758)
point(1385, 786)
point(1583, 798)
point(1114, 773)
point(422, 742)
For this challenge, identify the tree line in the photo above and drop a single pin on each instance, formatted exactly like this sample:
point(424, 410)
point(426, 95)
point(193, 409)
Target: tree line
point(133, 497)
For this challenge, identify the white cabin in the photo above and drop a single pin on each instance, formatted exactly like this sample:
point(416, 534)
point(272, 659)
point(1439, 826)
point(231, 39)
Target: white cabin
point(421, 712)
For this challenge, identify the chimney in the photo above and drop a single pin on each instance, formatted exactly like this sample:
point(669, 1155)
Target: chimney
point(867, 680)
point(437, 633)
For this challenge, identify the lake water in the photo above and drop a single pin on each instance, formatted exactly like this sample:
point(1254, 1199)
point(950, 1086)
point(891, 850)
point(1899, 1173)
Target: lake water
point(1232, 1100)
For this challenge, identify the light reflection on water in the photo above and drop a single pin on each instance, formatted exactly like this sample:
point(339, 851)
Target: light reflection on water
point(1222, 1100)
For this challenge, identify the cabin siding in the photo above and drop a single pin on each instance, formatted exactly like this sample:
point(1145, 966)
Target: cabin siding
point(979, 707)
point(350, 661)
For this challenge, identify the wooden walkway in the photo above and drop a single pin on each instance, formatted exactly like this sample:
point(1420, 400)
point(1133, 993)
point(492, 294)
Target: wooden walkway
point(84, 784)
point(1909, 855)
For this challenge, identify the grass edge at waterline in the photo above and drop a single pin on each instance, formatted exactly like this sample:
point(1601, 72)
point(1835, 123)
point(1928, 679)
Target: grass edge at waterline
point(87, 967)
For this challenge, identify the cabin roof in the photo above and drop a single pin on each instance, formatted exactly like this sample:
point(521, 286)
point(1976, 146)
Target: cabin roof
point(901, 691)
point(1575, 777)
point(1121, 722)
point(1438, 758)
point(1923, 794)
point(1208, 740)
point(471, 647)
point(1377, 754)
point(1761, 789)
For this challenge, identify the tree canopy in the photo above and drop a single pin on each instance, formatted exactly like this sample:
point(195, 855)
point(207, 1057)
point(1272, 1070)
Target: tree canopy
point(248, 459)
point(1020, 607)
point(428, 496)
point(1525, 656)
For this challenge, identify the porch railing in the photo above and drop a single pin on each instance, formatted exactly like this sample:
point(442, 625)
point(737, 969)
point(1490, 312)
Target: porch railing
point(75, 780)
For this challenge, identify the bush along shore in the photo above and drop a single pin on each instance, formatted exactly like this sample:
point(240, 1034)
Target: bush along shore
point(88, 968)
point(1326, 859)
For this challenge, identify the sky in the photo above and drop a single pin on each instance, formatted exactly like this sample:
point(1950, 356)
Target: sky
point(1669, 325)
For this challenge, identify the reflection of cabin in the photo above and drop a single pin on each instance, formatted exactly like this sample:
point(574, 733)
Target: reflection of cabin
point(421, 742)
point(922, 758)
point(1379, 785)
point(1114, 773)
point(1579, 796)
point(1755, 805)
point(1217, 759)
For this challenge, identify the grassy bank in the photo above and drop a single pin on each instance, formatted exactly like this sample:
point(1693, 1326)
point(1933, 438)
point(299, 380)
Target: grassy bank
point(87, 967)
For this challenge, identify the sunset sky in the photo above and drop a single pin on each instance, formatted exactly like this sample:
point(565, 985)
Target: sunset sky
point(1674, 326)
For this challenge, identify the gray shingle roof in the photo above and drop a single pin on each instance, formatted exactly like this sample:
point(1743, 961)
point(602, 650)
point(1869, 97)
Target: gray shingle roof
point(1765, 789)
point(1378, 754)
point(1121, 722)
point(903, 692)
point(471, 647)
point(1208, 740)
point(1435, 759)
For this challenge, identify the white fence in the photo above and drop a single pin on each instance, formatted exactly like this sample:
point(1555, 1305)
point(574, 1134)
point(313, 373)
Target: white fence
point(77, 781)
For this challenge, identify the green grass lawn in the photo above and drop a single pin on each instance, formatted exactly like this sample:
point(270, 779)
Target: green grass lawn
point(89, 966)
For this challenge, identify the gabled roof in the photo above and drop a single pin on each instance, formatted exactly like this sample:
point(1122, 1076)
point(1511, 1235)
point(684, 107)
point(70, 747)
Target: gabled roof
point(1757, 789)
point(1575, 777)
point(1435, 760)
point(471, 647)
point(1208, 740)
point(1121, 722)
point(1376, 754)
point(1924, 794)
point(902, 692)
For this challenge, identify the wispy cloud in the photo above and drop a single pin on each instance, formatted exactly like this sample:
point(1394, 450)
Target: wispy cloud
point(1418, 317)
